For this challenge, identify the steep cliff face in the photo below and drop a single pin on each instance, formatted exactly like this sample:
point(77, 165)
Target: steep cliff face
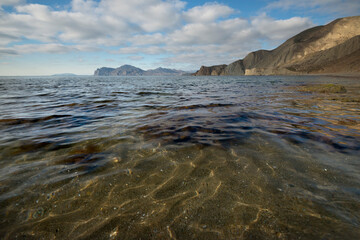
point(213, 70)
point(332, 48)
point(104, 71)
point(235, 68)
point(344, 57)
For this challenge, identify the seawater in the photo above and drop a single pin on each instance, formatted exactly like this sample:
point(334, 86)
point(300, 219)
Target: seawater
point(178, 158)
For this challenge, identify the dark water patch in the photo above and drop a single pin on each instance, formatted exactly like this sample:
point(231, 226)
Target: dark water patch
point(193, 129)
point(155, 107)
point(144, 93)
point(348, 122)
point(106, 101)
point(120, 92)
point(191, 134)
point(28, 147)
point(80, 159)
point(199, 106)
point(301, 137)
point(71, 105)
point(44, 94)
point(32, 120)
point(84, 153)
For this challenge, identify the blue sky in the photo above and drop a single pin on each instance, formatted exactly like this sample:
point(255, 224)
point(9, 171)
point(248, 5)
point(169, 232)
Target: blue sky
point(42, 37)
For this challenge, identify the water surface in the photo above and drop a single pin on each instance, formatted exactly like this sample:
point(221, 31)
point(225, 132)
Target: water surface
point(178, 158)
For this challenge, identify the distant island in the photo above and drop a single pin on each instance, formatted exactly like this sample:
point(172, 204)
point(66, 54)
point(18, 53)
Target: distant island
point(128, 70)
point(64, 75)
point(333, 48)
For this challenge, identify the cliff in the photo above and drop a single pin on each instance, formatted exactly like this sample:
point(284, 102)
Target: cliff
point(333, 48)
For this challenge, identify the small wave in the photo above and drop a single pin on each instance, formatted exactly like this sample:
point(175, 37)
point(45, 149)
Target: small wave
point(153, 93)
point(18, 121)
point(119, 92)
point(237, 127)
point(43, 94)
point(105, 101)
point(211, 105)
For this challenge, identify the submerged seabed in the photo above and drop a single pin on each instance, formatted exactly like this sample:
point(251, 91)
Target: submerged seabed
point(178, 158)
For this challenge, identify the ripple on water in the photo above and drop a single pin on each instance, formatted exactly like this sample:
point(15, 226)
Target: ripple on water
point(184, 158)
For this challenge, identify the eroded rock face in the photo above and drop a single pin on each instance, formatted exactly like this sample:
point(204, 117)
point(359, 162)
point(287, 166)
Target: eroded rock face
point(104, 71)
point(333, 48)
point(213, 70)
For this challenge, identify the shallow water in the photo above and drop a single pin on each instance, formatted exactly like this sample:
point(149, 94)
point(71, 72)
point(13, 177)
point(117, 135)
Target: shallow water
point(178, 158)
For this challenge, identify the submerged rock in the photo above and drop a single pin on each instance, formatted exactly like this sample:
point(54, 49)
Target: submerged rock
point(323, 88)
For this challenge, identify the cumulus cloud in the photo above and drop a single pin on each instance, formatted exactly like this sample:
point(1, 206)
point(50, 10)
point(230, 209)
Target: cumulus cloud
point(8, 51)
point(83, 6)
point(46, 48)
point(207, 34)
point(208, 13)
point(148, 39)
point(148, 15)
point(136, 58)
point(11, 2)
point(279, 29)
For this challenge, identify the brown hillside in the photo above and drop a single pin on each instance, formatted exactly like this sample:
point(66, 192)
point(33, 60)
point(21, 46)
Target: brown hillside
point(330, 48)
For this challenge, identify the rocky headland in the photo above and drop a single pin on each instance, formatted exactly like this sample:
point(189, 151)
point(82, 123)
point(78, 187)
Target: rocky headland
point(128, 70)
point(330, 49)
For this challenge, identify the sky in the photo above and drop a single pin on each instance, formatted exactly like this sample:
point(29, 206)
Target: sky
point(45, 37)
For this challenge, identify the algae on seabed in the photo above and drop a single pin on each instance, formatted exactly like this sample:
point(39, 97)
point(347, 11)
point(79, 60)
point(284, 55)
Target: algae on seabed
point(322, 88)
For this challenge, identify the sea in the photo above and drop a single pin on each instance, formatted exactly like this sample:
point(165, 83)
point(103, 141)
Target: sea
point(181, 157)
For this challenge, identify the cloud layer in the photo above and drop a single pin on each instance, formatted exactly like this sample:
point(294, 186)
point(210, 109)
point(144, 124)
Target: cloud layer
point(342, 7)
point(208, 34)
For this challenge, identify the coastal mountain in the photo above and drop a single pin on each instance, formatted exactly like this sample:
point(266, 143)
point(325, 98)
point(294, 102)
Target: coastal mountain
point(164, 72)
point(125, 70)
point(332, 48)
point(128, 70)
point(64, 75)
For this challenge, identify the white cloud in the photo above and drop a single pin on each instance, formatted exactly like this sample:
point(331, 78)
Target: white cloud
point(207, 33)
point(8, 51)
point(148, 15)
point(208, 13)
point(45, 48)
point(11, 2)
point(83, 6)
point(38, 11)
point(272, 29)
point(151, 50)
point(6, 39)
point(146, 39)
point(136, 58)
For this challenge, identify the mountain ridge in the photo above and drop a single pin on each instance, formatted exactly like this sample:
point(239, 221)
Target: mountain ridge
point(332, 48)
point(129, 70)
